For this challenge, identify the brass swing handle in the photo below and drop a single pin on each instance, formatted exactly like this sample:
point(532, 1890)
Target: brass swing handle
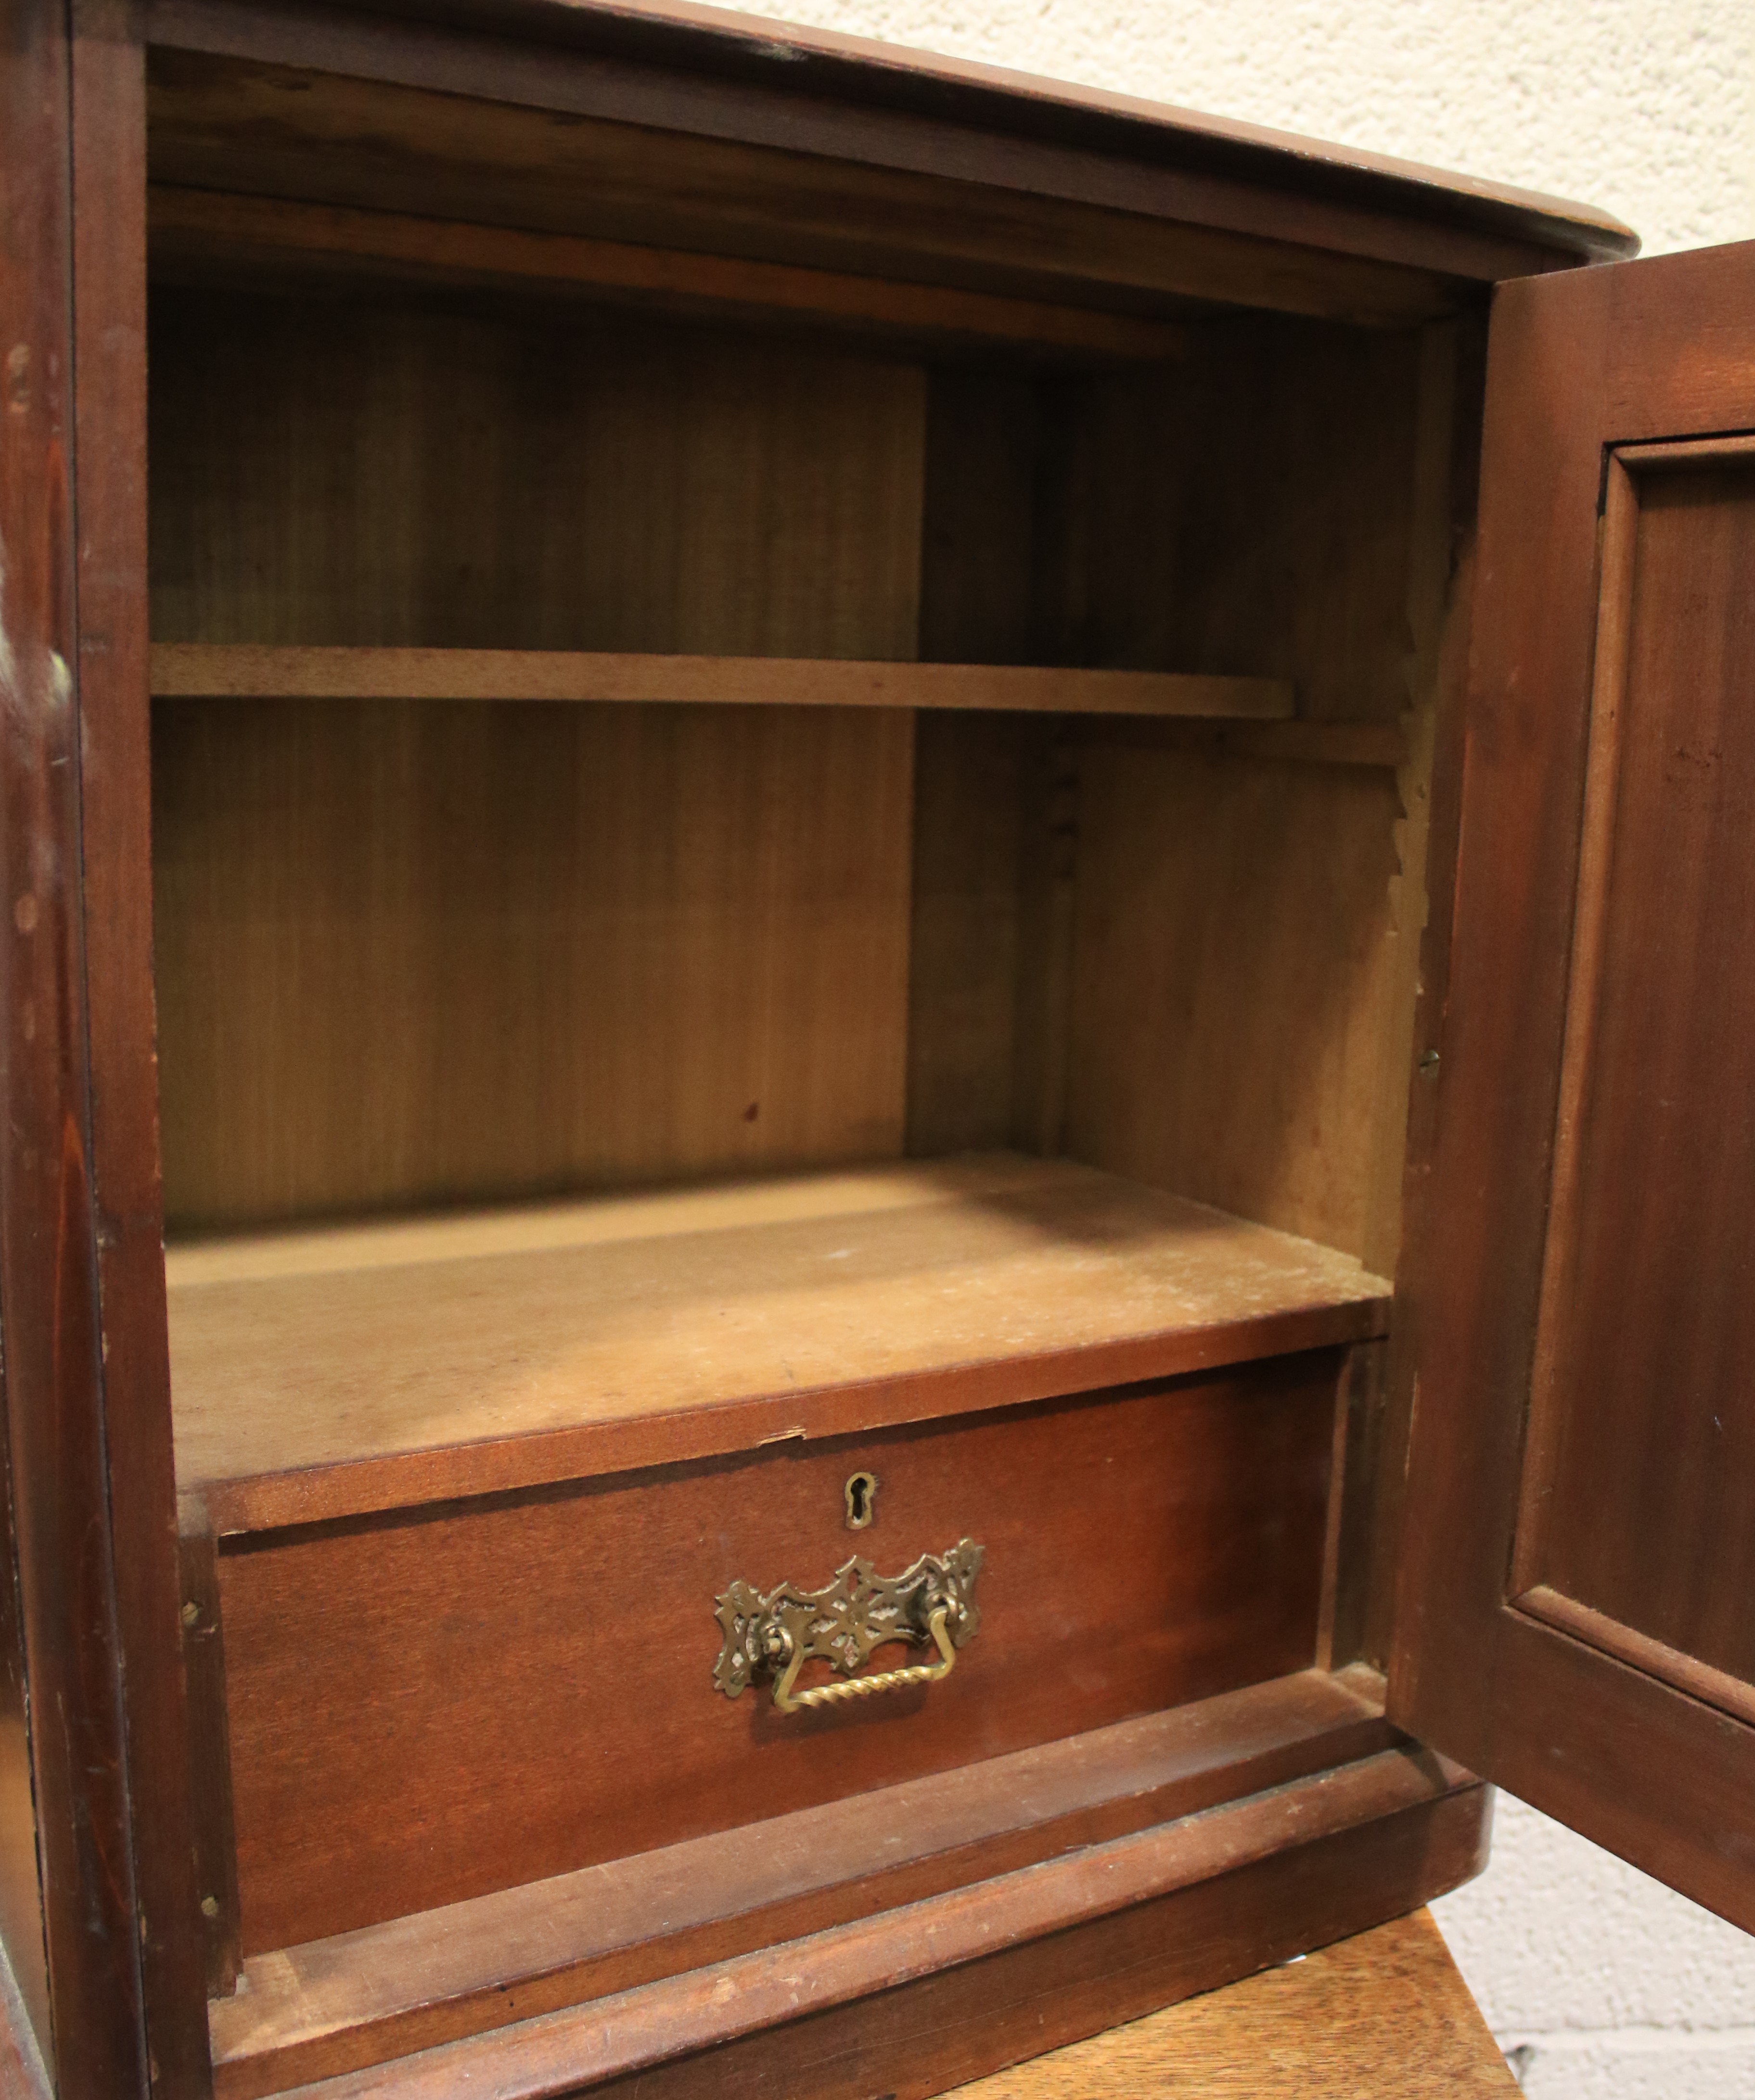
point(789, 1701)
point(931, 1602)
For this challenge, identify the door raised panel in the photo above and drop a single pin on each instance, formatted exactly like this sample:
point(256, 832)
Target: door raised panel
point(1637, 1531)
point(1575, 1616)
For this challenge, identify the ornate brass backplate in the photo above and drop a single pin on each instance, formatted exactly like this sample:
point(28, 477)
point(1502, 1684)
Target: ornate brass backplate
point(931, 1604)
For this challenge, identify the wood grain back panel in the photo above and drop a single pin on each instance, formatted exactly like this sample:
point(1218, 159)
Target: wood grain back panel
point(410, 952)
point(983, 434)
point(969, 939)
point(1640, 1502)
point(440, 1702)
point(337, 470)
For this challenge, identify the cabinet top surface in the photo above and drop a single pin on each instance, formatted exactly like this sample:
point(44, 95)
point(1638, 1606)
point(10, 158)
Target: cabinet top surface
point(815, 66)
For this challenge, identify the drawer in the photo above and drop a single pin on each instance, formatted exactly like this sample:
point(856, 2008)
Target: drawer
point(427, 1704)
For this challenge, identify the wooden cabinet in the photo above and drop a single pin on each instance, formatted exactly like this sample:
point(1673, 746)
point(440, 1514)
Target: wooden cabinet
point(874, 1044)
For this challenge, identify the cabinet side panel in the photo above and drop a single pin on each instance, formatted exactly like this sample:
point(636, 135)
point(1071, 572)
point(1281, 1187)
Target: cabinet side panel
point(1248, 509)
point(1242, 952)
point(48, 1225)
point(109, 253)
point(21, 1920)
point(1234, 971)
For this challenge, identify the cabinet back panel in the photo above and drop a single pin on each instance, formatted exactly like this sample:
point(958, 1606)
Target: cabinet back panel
point(426, 1707)
point(327, 471)
point(973, 936)
point(417, 951)
point(414, 952)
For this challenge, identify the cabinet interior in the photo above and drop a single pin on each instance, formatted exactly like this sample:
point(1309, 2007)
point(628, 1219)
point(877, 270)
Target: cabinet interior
point(584, 1051)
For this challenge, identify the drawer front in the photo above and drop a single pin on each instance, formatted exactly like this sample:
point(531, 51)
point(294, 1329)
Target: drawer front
point(428, 1705)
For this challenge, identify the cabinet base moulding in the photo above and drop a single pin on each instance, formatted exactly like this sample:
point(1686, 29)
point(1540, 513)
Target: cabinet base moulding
point(917, 2000)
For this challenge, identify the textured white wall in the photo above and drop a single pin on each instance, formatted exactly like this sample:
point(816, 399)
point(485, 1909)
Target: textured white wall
point(1602, 1984)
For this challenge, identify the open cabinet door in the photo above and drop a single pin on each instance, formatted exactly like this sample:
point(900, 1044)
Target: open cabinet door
point(1576, 1609)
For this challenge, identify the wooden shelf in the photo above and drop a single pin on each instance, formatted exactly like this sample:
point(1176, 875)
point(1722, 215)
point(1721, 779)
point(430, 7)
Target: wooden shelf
point(321, 1372)
point(250, 671)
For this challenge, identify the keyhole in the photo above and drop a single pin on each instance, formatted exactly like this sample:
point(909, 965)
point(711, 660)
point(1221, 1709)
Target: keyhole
point(861, 1492)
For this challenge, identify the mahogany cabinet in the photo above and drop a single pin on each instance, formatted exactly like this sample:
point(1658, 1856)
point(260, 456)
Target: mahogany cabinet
point(877, 1050)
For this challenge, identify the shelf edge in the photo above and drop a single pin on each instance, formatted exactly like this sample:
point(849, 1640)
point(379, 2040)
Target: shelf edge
point(243, 671)
point(361, 1487)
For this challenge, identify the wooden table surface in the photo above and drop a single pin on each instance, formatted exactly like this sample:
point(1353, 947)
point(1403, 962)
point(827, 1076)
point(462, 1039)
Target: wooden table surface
point(1385, 2013)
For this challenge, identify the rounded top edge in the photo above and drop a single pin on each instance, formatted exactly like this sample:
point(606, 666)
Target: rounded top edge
point(861, 72)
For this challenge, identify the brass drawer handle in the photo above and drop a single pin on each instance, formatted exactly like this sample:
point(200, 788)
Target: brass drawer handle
point(931, 1602)
point(857, 1687)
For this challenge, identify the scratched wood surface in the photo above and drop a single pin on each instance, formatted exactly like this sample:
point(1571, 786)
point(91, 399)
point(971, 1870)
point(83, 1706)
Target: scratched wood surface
point(910, 2003)
point(1386, 2013)
point(303, 1350)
